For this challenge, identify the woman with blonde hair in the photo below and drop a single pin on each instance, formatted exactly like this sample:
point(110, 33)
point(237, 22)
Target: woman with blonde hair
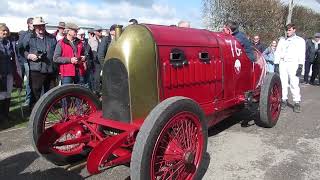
point(268, 55)
point(8, 72)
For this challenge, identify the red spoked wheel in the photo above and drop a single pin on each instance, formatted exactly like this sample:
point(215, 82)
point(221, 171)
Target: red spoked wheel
point(178, 149)
point(275, 101)
point(58, 133)
point(270, 101)
point(171, 142)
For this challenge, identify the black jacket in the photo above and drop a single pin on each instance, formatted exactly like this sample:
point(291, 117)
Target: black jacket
point(7, 57)
point(310, 51)
point(260, 47)
point(38, 46)
point(89, 54)
point(317, 56)
point(24, 37)
point(102, 49)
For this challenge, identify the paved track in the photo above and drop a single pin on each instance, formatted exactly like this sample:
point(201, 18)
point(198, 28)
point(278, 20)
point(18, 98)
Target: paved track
point(289, 151)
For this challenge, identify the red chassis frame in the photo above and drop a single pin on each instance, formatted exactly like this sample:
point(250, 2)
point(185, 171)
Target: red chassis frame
point(117, 145)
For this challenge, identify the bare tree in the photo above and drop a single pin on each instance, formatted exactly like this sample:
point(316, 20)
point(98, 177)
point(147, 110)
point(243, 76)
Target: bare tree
point(264, 18)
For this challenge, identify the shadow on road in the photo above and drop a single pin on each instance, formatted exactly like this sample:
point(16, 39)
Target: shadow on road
point(14, 167)
point(245, 118)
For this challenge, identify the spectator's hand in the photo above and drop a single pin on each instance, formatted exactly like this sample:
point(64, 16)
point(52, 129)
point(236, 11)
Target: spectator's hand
point(276, 68)
point(74, 60)
point(83, 58)
point(299, 70)
point(32, 57)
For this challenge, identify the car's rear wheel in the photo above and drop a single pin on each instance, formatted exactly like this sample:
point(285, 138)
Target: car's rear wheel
point(171, 142)
point(270, 101)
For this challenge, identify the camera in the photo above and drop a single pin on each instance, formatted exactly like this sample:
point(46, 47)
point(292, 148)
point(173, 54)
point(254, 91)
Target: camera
point(41, 54)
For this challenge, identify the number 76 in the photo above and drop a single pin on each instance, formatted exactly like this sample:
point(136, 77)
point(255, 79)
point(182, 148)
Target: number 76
point(234, 48)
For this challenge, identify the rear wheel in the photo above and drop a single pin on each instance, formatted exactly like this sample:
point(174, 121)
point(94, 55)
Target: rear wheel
point(171, 142)
point(270, 101)
point(61, 105)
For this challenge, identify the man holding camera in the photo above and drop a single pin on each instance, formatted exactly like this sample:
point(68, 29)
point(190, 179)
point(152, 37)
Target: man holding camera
point(39, 51)
point(289, 59)
point(69, 54)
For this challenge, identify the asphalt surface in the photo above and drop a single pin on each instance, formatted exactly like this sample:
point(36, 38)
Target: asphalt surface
point(289, 151)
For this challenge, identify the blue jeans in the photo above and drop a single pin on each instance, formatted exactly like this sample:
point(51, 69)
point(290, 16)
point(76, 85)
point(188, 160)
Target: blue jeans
point(72, 80)
point(28, 88)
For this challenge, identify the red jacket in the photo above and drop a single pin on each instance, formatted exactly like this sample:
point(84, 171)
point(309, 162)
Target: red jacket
point(67, 51)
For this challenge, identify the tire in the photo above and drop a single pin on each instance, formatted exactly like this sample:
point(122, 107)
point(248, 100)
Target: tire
point(270, 101)
point(167, 117)
point(51, 100)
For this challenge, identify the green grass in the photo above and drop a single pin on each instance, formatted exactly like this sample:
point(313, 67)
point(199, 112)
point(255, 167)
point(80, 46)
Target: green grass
point(15, 115)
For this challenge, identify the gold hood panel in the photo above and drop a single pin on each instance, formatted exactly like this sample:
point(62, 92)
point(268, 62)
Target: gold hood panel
point(136, 49)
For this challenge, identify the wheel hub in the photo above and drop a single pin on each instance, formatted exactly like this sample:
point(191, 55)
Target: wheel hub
point(189, 157)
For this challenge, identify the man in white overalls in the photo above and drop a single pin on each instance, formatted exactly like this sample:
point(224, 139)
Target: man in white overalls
point(289, 60)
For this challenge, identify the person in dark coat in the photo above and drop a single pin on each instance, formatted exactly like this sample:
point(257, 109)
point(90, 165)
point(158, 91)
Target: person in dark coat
point(8, 72)
point(317, 62)
point(232, 28)
point(39, 52)
point(257, 44)
point(24, 37)
point(102, 48)
point(311, 48)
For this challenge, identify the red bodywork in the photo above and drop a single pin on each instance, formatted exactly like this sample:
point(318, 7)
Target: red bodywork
point(217, 85)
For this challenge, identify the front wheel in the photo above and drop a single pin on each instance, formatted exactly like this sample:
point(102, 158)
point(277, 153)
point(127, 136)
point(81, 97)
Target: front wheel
point(61, 105)
point(171, 142)
point(270, 101)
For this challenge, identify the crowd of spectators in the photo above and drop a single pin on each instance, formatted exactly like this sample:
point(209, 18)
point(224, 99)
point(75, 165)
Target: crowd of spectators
point(46, 60)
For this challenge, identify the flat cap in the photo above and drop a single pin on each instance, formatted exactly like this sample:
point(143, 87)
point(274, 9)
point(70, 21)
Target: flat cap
point(317, 35)
point(62, 25)
point(72, 26)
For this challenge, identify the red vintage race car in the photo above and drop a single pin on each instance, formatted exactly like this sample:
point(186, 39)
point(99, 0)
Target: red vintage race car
point(162, 88)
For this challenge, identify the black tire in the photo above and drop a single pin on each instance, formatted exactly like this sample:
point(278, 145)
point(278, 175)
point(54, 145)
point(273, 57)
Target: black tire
point(39, 112)
point(266, 107)
point(151, 129)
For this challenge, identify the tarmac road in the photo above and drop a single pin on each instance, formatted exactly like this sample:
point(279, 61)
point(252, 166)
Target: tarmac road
point(289, 151)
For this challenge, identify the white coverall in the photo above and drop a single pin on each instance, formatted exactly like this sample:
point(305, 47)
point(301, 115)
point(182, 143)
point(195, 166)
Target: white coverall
point(289, 54)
